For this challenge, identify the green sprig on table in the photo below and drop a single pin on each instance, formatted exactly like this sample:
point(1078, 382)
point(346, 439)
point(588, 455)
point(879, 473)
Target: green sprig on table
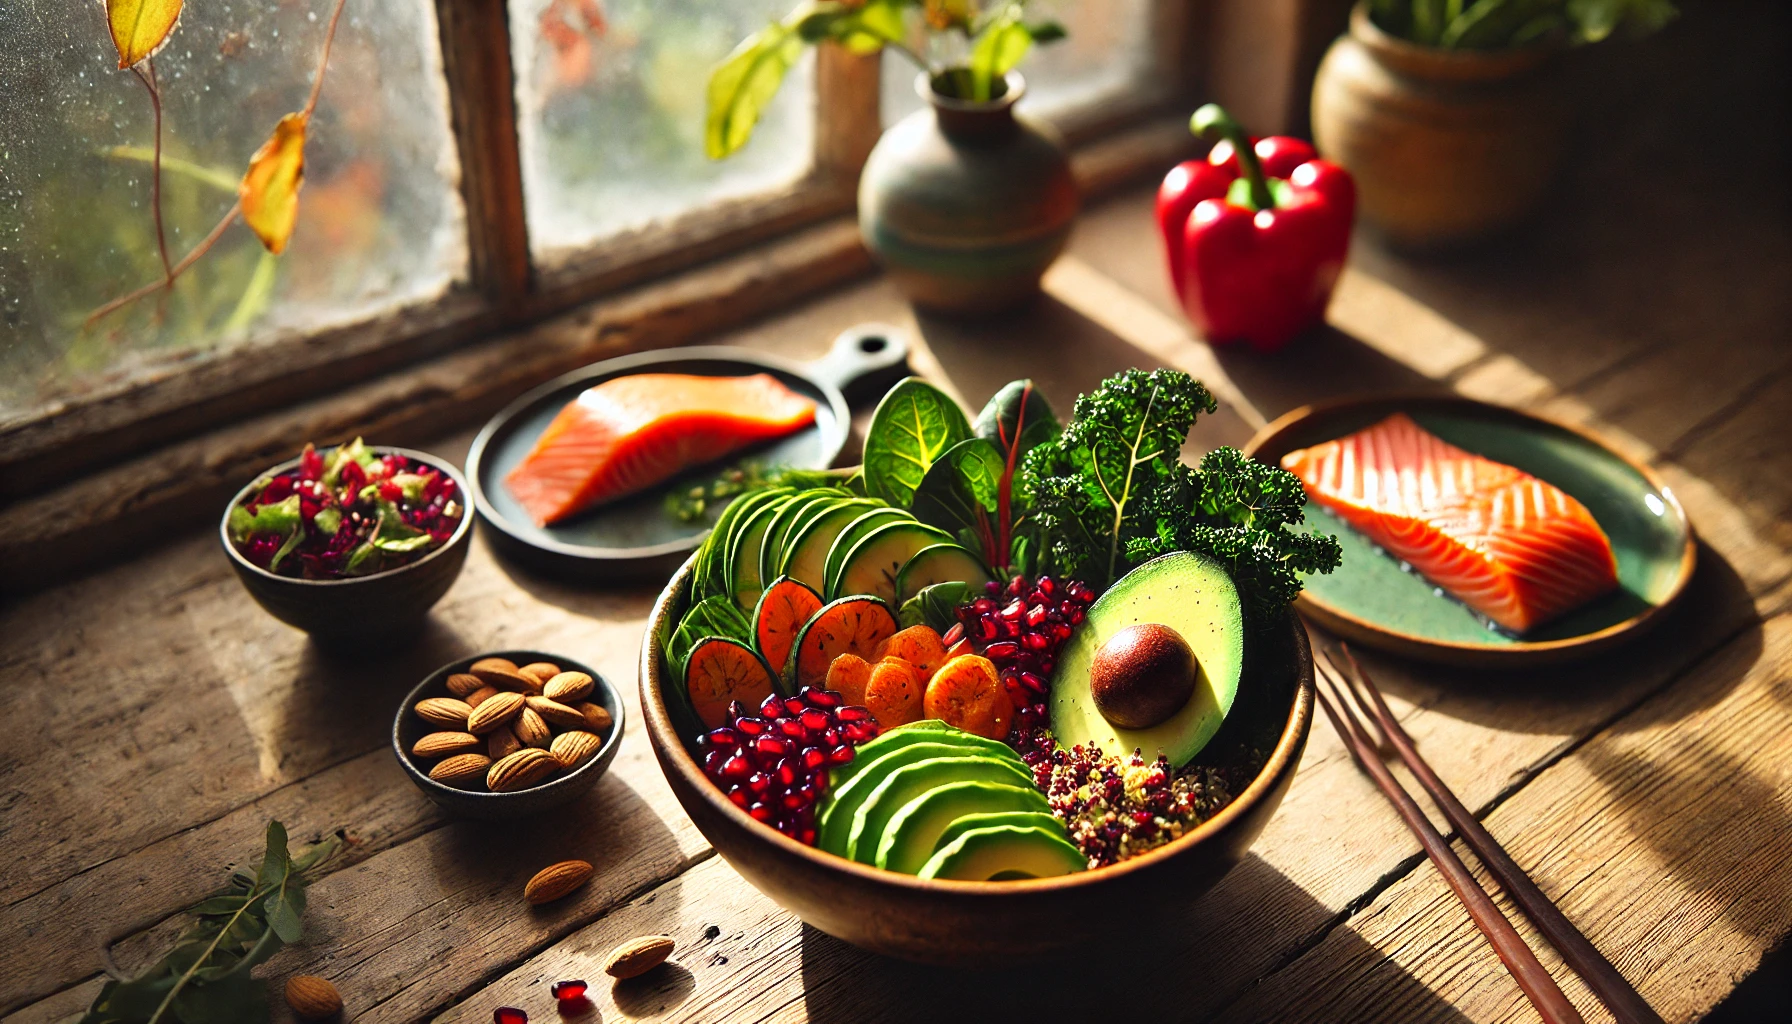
point(205, 978)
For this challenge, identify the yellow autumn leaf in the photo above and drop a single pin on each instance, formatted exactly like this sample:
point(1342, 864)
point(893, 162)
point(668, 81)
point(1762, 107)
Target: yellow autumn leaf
point(140, 27)
point(270, 188)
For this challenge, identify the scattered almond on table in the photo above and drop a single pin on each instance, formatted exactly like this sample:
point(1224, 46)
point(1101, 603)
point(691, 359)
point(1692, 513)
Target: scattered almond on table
point(312, 997)
point(555, 881)
point(501, 728)
point(638, 956)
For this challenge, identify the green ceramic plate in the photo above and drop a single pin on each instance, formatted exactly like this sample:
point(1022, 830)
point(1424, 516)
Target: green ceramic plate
point(1372, 599)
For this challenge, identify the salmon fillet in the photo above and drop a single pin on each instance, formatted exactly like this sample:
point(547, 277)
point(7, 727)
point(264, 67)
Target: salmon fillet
point(1512, 547)
point(627, 434)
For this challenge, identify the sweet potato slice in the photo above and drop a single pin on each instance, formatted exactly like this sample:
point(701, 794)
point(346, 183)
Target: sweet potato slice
point(848, 676)
point(918, 645)
point(782, 611)
point(851, 625)
point(720, 671)
point(967, 693)
point(894, 693)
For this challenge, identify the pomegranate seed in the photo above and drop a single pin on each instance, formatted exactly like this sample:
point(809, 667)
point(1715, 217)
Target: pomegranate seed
point(820, 781)
point(795, 705)
point(750, 726)
point(787, 772)
point(1047, 585)
point(1033, 682)
point(723, 737)
point(737, 768)
point(1017, 586)
point(1036, 615)
point(1061, 632)
point(759, 783)
point(831, 737)
point(773, 708)
point(1011, 628)
point(983, 606)
point(712, 762)
point(761, 812)
point(1000, 652)
point(814, 757)
point(953, 635)
point(739, 796)
point(807, 836)
point(825, 698)
point(566, 991)
point(841, 755)
point(992, 588)
point(858, 732)
point(1076, 615)
point(1015, 609)
point(793, 799)
point(815, 720)
point(1016, 692)
point(771, 746)
point(509, 1015)
point(853, 714)
point(988, 628)
point(790, 727)
point(1036, 641)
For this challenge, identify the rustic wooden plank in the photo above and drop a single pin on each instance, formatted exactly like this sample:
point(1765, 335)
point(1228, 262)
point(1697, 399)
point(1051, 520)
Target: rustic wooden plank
point(1667, 837)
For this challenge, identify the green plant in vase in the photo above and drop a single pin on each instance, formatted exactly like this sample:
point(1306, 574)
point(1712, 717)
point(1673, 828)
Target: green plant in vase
point(1502, 24)
point(964, 203)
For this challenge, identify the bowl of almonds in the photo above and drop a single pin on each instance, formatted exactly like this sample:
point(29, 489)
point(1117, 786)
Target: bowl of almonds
point(509, 733)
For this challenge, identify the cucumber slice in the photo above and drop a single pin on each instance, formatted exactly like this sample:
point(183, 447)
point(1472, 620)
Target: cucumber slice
point(717, 567)
point(852, 534)
point(874, 562)
point(941, 563)
point(743, 555)
point(806, 553)
point(798, 512)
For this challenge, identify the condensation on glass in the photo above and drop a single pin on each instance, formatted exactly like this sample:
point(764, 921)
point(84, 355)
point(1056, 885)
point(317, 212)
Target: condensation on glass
point(1109, 53)
point(380, 220)
point(611, 102)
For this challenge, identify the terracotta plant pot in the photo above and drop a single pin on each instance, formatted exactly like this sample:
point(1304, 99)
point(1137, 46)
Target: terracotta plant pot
point(965, 203)
point(1447, 146)
point(978, 924)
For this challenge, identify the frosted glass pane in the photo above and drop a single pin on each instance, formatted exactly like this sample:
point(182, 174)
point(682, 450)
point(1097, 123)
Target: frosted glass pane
point(1110, 51)
point(380, 220)
point(610, 97)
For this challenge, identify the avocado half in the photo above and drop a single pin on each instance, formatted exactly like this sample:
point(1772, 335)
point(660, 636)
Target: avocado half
point(1189, 593)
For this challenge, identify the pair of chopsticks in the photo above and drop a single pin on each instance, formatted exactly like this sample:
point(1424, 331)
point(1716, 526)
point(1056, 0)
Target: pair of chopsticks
point(1341, 706)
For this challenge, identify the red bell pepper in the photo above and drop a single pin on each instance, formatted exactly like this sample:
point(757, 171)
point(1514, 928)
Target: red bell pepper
point(1255, 235)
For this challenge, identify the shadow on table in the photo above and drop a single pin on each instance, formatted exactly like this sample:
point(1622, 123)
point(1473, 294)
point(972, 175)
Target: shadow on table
point(1238, 938)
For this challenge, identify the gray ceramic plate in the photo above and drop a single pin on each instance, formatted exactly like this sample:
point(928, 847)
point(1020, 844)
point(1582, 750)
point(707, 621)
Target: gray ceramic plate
point(1373, 600)
point(634, 536)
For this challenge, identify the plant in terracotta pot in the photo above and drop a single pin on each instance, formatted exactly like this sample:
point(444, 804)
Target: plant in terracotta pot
point(1451, 113)
point(963, 202)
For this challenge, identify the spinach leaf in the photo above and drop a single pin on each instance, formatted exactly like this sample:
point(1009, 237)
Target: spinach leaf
point(712, 616)
point(959, 494)
point(913, 426)
point(936, 606)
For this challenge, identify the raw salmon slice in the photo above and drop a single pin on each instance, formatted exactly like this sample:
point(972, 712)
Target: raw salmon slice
point(1512, 547)
point(629, 433)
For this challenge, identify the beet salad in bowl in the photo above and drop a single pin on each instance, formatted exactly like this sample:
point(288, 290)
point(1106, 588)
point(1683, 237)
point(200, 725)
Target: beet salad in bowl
point(349, 541)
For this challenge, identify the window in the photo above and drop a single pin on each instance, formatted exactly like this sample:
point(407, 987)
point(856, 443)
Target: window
point(447, 131)
point(380, 222)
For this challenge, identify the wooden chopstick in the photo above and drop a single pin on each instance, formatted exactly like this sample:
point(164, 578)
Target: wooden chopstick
point(1536, 983)
point(1626, 1004)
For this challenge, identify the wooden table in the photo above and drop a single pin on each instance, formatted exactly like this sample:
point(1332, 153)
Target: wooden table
point(155, 719)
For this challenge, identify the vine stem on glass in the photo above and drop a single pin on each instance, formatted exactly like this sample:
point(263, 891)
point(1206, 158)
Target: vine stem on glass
point(236, 208)
point(153, 87)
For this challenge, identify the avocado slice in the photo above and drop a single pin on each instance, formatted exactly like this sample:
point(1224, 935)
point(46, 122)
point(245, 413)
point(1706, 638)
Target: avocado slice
point(927, 730)
point(1005, 851)
point(1191, 594)
point(833, 826)
point(1025, 819)
point(913, 833)
point(872, 818)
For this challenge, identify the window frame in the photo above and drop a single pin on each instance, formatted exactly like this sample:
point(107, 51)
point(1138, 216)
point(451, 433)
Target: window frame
point(506, 288)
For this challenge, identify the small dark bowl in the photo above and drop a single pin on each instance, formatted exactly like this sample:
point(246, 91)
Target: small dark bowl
point(407, 729)
point(382, 605)
point(973, 924)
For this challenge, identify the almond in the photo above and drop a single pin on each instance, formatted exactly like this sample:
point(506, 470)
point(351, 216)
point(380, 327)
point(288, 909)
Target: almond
point(481, 695)
point(597, 717)
point(501, 743)
point(556, 713)
point(460, 684)
point(460, 769)
point(638, 956)
point(555, 881)
point(521, 770)
point(575, 747)
point(531, 728)
point(504, 664)
point(504, 677)
point(445, 711)
point(568, 687)
point(540, 671)
point(493, 712)
point(440, 744)
point(313, 997)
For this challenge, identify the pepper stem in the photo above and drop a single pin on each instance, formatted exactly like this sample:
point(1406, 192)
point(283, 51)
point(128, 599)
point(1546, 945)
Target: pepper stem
point(1212, 120)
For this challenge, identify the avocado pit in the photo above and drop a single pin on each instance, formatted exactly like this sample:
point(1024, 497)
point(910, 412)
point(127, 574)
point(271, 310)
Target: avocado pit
point(1142, 675)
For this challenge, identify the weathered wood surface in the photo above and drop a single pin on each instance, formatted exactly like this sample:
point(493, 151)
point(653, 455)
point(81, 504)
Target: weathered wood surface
point(155, 718)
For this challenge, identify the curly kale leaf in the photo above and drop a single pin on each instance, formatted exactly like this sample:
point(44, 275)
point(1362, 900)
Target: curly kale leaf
point(1231, 508)
point(1092, 481)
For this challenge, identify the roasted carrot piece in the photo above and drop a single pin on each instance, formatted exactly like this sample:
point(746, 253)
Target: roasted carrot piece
point(783, 609)
point(918, 645)
point(851, 625)
point(719, 671)
point(894, 693)
point(966, 693)
point(848, 676)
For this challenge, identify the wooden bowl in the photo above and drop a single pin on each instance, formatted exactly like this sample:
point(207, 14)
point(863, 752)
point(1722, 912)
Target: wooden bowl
point(383, 606)
point(995, 923)
point(483, 804)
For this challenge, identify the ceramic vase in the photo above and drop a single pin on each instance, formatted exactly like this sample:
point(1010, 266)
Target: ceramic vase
point(966, 203)
point(1447, 146)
